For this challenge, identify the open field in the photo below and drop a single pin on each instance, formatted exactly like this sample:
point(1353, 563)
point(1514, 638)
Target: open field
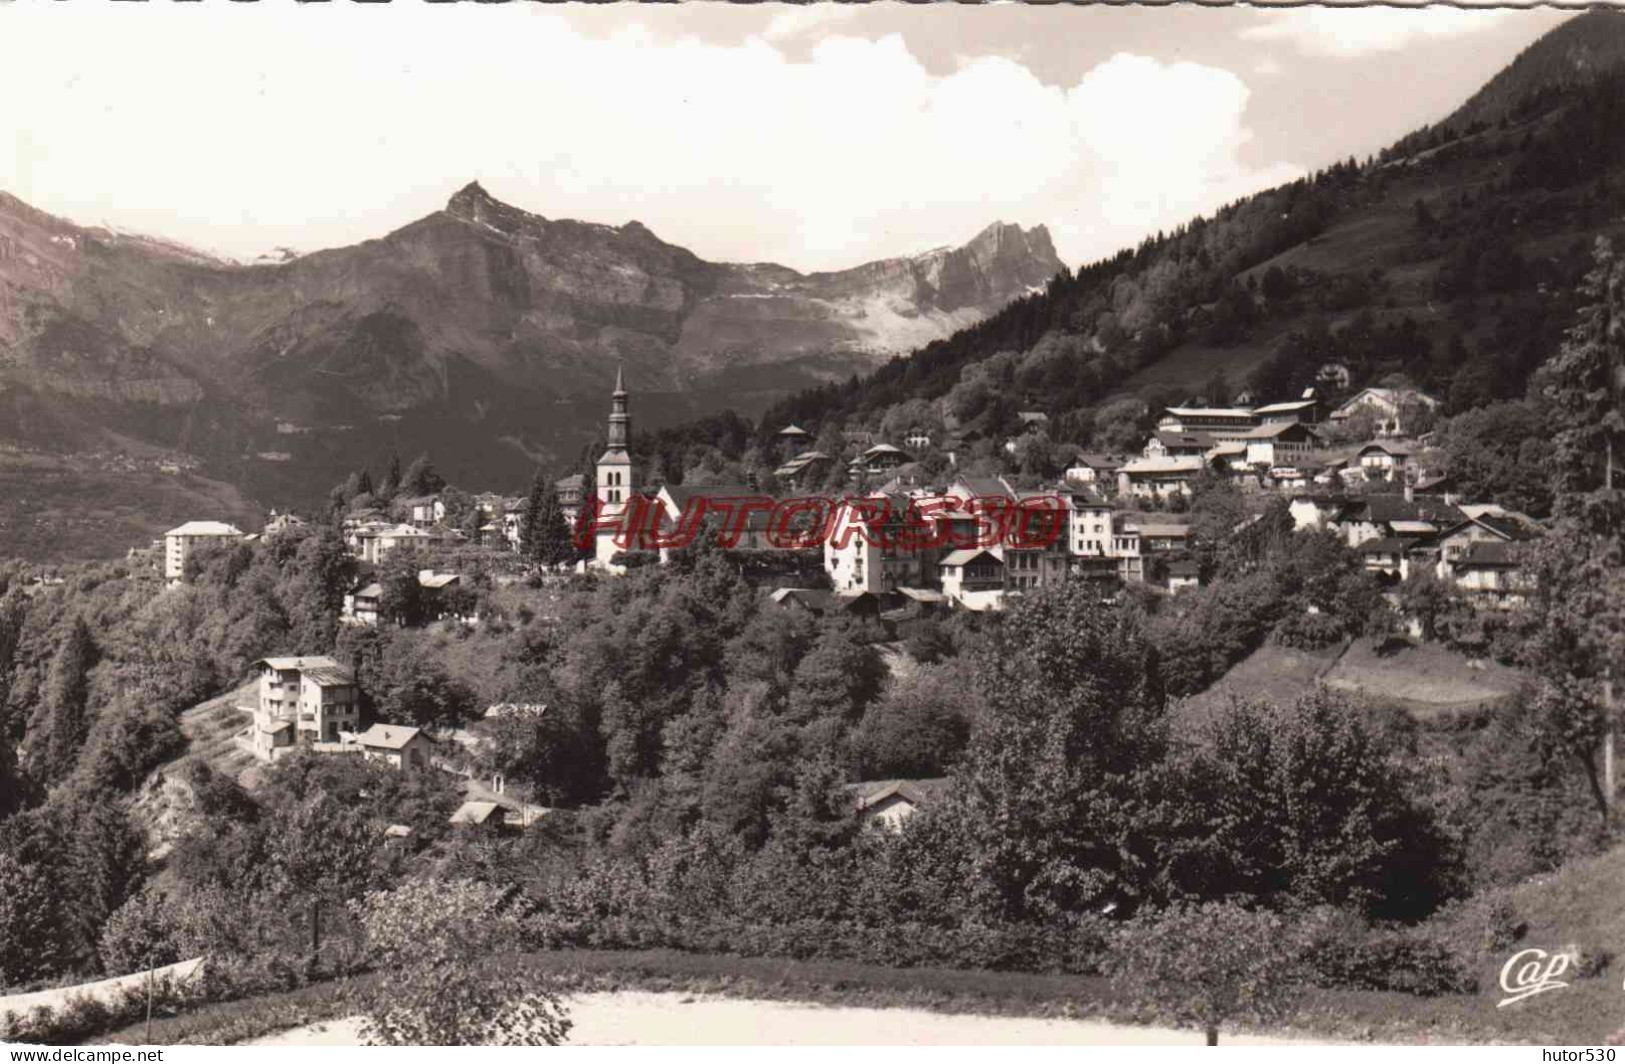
point(1426, 680)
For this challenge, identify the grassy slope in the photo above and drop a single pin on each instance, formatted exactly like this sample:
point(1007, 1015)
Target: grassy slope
point(1427, 680)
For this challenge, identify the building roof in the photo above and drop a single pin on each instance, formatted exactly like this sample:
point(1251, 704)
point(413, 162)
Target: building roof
point(1227, 448)
point(312, 661)
point(1279, 428)
point(922, 594)
point(1385, 545)
point(329, 676)
point(1392, 396)
point(388, 736)
point(793, 430)
point(1182, 464)
point(813, 598)
point(1209, 411)
point(398, 831)
point(1192, 440)
point(1394, 450)
point(966, 555)
point(205, 528)
point(1385, 509)
point(372, 590)
point(1287, 408)
point(436, 581)
point(473, 812)
point(1161, 530)
point(984, 487)
point(1412, 528)
point(883, 448)
point(917, 792)
point(1100, 461)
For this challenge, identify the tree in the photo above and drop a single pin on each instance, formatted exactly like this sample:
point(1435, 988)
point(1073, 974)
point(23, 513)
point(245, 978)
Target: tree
point(67, 689)
point(1209, 966)
point(1073, 707)
point(421, 478)
point(106, 857)
point(31, 939)
point(1572, 636)
point(434, 944)
point(390, 486)
point(1586, 379)
point(545, 535)
point(403, 601)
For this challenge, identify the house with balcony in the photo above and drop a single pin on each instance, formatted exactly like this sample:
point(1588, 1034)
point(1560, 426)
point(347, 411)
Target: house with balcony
point(302, 702)
point(1153, 478)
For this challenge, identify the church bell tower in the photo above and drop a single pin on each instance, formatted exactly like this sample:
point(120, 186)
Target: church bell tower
point(616, 482)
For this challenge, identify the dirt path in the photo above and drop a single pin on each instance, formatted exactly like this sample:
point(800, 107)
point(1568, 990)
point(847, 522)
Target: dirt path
point(630, 1018)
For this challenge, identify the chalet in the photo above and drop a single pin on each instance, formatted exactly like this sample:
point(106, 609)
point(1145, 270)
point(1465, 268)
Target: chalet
point(888, 803)
point(1479, 555)
point(974, 577)
point(398, 746)
point(1306, 411)
point(1374, 516)
point(917, 439)
point(1388, 406)
point(1280, 443)
point(1159, 477)
point(179, 543)
point(1385, 459)
point(302, 701)
point(808, 467)
point(361, 604)
point(1386, 555)
point(1095, 469)
point(883, 457)
point(1167, 443)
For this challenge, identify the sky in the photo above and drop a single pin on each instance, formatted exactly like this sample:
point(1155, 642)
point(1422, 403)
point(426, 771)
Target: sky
point(818, 136)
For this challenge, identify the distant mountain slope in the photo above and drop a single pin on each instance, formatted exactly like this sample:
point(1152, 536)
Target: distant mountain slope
point(1451, 258)
point(1572, 55)
point(482, 333)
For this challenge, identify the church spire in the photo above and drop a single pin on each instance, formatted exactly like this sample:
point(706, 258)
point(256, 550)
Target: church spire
point(620, 385)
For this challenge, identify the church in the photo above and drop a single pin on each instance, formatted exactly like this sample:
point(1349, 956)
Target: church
point(616, 479)
point(619, 500)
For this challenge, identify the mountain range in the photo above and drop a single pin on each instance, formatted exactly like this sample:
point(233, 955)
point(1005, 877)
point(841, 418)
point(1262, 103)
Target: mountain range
point(483, 334)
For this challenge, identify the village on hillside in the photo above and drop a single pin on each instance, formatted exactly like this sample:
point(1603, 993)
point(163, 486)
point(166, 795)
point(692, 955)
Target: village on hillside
point(1357, 470)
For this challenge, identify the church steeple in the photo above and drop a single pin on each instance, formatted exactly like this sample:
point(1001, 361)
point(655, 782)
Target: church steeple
point(616, 482)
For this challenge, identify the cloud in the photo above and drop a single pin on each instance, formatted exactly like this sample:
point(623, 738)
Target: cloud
point(1343, 33)
point(229, 128)
point(792, 21)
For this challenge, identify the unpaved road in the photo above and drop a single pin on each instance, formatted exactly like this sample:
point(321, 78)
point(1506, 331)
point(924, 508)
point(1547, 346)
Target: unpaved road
point(632, 1018)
